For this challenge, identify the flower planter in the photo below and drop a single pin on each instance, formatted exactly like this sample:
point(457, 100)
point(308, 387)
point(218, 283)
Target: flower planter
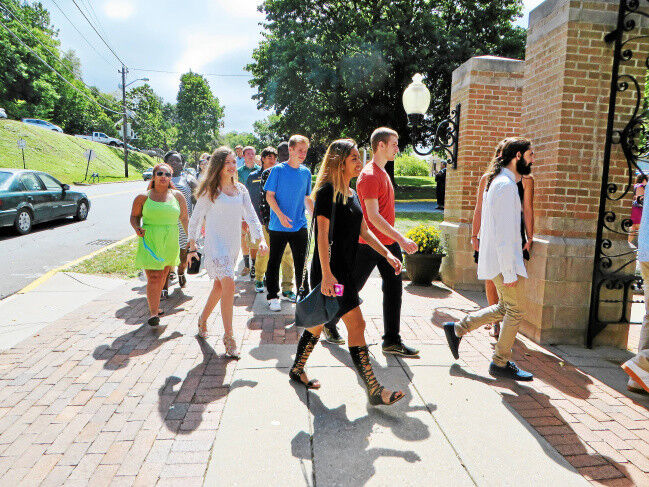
point(423, 268)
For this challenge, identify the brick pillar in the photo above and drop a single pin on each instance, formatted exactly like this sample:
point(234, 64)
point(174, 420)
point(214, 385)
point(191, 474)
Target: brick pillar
point(490, 91)
point(566, 95)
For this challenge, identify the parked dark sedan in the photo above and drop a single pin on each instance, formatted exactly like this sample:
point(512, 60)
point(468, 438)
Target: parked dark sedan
point(28, 197)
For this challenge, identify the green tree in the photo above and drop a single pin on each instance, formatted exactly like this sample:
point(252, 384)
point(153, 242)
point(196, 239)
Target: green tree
point(149, 123)
point(339, 68)
point(268, 132)
point(28, 88)
point(233, 139)
point(198, 114)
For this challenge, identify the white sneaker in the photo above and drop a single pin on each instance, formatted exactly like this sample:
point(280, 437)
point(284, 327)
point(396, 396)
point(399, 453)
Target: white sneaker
point(275, 304)
point(637, 374)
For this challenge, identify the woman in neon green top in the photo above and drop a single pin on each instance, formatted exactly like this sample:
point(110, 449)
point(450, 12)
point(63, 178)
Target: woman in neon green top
point(155, 218)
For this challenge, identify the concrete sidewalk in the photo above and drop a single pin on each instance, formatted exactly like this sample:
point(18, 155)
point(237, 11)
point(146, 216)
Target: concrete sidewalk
point(95, 397)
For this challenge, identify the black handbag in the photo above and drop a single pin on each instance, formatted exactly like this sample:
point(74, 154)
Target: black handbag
point(195, 265)
point(315, 308)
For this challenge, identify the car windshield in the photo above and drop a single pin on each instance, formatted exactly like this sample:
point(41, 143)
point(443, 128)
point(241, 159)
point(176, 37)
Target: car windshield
point(5, 177)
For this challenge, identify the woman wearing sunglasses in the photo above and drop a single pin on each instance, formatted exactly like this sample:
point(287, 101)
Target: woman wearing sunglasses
point(154, 218)
point(222, 203)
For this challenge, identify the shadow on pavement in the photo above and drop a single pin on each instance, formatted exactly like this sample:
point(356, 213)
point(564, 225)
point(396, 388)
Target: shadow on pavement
point(136, 310)
point(7, 233)
point(135, 343)
point(533, 406)
point(182, 410)
point(361, 462)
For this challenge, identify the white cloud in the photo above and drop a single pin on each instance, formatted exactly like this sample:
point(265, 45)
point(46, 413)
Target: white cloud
point(202, 49)
point(240, 8)
point(118, 9)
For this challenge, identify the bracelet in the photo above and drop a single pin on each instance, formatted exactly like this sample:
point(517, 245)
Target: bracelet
point(474, 236)
point(192, 252)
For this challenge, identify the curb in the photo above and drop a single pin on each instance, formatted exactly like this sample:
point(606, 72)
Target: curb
point(49, 274)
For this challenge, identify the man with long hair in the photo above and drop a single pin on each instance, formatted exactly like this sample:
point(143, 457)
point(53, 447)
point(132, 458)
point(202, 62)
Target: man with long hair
point(376, 194)
point(501, 258)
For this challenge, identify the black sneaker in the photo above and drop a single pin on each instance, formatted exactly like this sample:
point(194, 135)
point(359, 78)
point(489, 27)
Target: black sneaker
point(154, 321)
point(509, 371)
point(332, 336)
point(452, 339)
point(252, 272)
point(401, 350)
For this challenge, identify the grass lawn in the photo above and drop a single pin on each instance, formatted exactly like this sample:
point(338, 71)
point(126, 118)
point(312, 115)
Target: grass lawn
point(120, 260)
point(116, 262)
point(408, 219)
point(61, 155)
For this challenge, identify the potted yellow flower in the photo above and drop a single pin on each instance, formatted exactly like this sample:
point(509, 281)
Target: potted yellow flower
point(423, 265)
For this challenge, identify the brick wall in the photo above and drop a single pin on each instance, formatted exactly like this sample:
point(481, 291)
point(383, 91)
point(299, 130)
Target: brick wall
point(490, 91)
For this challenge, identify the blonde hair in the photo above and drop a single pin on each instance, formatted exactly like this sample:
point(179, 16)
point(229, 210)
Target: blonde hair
point(297, 139)
point(332, 168)
point(381, 134)
point(211, 183)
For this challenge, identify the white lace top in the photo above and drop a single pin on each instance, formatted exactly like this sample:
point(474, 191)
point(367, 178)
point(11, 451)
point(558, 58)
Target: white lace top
point(222, 219)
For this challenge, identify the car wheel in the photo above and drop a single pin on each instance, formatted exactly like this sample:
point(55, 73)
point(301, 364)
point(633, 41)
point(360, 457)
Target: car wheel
point(23, 223)
point(112, 144)
point(82, 211)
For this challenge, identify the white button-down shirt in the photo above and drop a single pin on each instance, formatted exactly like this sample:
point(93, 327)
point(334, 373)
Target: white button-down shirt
point(501, 246)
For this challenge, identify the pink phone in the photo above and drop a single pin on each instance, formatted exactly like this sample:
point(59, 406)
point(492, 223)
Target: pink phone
point(339, 289)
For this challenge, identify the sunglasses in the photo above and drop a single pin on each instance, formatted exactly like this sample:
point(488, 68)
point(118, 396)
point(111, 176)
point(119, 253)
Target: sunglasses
point(162, 173)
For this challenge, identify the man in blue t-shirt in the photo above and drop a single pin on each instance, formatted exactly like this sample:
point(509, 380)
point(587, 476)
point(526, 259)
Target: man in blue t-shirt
point(287, 191)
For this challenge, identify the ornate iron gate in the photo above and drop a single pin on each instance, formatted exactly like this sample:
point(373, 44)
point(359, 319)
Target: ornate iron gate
point(614, 271)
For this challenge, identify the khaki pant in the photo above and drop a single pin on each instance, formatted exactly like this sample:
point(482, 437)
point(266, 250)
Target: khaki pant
point(642, 359)
point(508, 310)
point(287, 265)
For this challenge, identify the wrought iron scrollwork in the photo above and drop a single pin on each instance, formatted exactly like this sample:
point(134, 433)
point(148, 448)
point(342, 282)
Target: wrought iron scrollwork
point(446, 137)
point(615, 272)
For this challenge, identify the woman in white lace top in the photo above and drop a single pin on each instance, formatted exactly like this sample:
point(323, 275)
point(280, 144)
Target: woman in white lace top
point(222, 202)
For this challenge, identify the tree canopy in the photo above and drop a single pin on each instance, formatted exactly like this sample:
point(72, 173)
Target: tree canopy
point(198, 114)
point(338, 68)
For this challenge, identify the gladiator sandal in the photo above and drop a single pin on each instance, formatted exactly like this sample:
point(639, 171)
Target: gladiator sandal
point(304, 348)
point(361, 358)
point(231, 347)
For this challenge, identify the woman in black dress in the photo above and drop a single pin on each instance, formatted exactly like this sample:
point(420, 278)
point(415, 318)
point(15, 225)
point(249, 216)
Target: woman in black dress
point(341, 164)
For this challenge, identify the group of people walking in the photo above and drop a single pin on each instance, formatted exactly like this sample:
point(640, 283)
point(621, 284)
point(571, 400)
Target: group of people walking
point(261, 210)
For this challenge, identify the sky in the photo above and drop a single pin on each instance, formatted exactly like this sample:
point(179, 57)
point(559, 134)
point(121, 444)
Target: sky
point(208, 37)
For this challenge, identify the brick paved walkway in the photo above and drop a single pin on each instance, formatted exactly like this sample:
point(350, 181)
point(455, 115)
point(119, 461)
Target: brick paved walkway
point(98, 396)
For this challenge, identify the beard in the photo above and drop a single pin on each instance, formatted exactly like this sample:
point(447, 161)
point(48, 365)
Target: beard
point(523, 168)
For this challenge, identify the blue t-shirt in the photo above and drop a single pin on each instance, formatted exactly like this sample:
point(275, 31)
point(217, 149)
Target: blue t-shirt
point(290, 186)
point(240, 162)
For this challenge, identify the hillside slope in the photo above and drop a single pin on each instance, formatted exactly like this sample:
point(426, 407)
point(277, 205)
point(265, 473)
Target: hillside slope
point(62, 155)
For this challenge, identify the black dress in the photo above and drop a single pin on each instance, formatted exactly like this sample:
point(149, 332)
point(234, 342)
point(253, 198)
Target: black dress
point(346, 230)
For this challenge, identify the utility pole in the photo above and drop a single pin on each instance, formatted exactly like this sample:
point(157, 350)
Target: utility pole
point(125, 121)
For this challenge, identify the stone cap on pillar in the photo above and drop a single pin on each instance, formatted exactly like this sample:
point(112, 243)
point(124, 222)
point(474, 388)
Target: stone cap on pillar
point(552, 14)
point(484, 70)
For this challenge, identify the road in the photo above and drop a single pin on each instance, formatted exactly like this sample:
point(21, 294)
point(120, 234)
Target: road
point(54, 244)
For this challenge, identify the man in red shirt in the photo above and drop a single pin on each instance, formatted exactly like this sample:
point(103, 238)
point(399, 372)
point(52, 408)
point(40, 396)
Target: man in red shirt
point(376, 194)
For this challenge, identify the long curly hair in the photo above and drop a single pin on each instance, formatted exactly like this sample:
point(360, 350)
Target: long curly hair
point(210, 184)
point(511, 147)
point(332, 168)
point(158, 167)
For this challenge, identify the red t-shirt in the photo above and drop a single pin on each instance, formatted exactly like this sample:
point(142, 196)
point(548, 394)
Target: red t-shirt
point(374, 184)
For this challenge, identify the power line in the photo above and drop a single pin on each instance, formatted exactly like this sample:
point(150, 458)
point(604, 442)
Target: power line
point(90, 8)
point(181, 72)
point(31, 33)
point(85, 95)
point(82, 35)
point(97, 32)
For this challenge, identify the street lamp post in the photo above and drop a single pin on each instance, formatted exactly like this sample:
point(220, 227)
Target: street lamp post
point(416, 100)
point(123, 72)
